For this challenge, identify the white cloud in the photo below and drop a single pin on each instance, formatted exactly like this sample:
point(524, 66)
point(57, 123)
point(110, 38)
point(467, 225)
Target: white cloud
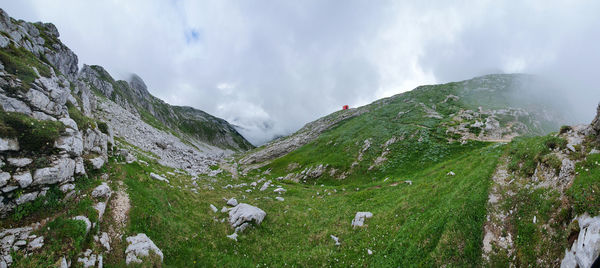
point(287, 63)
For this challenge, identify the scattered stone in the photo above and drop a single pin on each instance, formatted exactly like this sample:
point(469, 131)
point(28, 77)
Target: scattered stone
point(88, 259)
point(100, 207)
point(25, 198)
point(232, 202)
point(140, 246)
point(213, 208)
point(233, 236)
point(359, 218)
point(408, 182)
point(265, 186)
point(105, 241)
point(224, 209)
point(279, 190)
point(102, 191)
point(336, 239)
point(158, 177)
point(370, 252)
point(243, 213)
point(451, 173)
point(279, 198)
point(64, 263)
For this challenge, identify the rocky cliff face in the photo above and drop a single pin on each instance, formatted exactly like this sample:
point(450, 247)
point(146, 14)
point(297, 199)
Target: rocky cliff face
point(596, 122)
point(55, 125)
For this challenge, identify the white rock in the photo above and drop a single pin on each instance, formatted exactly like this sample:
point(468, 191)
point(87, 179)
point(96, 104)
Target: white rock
point(67, 187)
point(451, 173)
point(9, 144)
point(101, 191)
point(370, 252)
point(586, 248)
point(24, 179)
point(243, 213)
point(233, 236)
point(359, 218)
point(100, 207)
point(25, 198)
point(158, 177)
point(408, 182)
point(88, 224)
point(336, 239)
point(4, 178)
point(213, 208)
point(97, 163)
point(105, 241)
point(265, 186)
point(63, 263)
point(19, 162)
point(279, 190)
point(88, 260)
point(140, 246)
point(224, 209)
point(36, 243)
point(62, 170)
point(232, 202)
point(279, 198)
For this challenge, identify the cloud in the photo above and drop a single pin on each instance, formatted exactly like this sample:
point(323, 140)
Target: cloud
point(270, 67)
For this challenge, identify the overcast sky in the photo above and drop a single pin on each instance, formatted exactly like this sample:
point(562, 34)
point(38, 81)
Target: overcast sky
point(272, 66)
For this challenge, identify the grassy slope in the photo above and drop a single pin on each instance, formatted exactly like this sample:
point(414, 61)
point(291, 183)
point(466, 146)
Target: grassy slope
point(419, 223)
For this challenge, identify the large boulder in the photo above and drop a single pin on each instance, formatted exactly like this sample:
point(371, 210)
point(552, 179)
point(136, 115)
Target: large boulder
point(244, 213)
point(140, 246)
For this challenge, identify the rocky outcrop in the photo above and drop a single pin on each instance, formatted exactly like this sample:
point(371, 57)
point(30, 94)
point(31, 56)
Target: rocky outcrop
point(596, 122)
point(586, 248)
point(140, 247)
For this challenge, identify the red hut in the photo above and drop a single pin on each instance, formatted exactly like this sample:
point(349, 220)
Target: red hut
point(345, 107)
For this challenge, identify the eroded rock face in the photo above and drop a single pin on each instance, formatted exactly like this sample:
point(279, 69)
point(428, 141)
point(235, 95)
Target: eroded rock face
point(586, 248)
point(61, 170)
point(596, 122)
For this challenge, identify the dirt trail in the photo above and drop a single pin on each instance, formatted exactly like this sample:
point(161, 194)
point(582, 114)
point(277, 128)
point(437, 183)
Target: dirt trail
point(120, 206)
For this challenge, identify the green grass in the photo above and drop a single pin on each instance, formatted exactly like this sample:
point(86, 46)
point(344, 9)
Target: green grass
point(586, 186)
point(526, 152)
point(83, 122)
point(19, 62)
point(33, 135)
point(413, 224)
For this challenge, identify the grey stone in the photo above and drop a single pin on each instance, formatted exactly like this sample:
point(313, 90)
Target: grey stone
point(100, 207)
point(243, 213)
point(97, 163)
point(36, 243)
point(28, 197)
point(9, 144)
point(24, 179)
point(586, 248)
point(67, 187)
point(140, 246)
point(19, 162)
point(279, 198)
point(279, 190)
point(62, 170)
point(158, 177)
point(359, 218)
point(102, 191)
point(4, 178)
point(213, 208)
point(232, 202)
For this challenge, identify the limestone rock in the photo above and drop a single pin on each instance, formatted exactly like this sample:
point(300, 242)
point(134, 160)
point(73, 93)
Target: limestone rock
point(586, 248)
point(4, 178)
point(101, 191)
point(97, 163)
point(232, 202)
point(9, 144)
point(24, 178)
point(62, 170)
point(140, 246)
point(243, 213)
point(19, 162)
point(359, 218)
point(158, 177)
